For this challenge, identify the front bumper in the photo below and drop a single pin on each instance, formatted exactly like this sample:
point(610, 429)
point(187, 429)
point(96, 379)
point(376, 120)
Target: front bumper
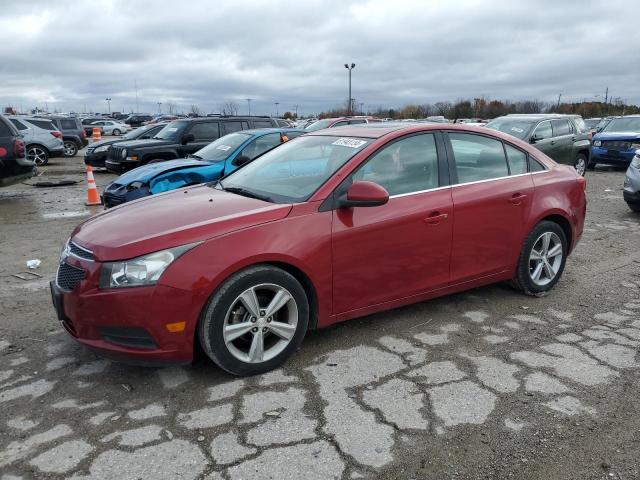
point(128, 324)
point(611, 157)
point(121, 166)
point(95, 159)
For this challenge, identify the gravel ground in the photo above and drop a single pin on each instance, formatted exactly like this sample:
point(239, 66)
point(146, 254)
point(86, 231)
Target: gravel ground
point(488, 384)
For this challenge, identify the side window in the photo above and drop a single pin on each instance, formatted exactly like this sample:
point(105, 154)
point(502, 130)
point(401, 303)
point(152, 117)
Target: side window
point(340, 124)
point(282, 123)
point(230, 127)
point(19, 125)
point(354, 122)
point(542, 131)
point(477, 157)
point(560, 127)
point(405, 166)
point(262, 124)
point(580, 125)
point(517, 160)
point(43, 124)
point(205, 131)
point(261, 145)
point(5, 131)
point(535, 166)
point(69, 124)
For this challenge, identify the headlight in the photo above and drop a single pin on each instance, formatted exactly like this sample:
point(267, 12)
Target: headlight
point(103, 148)
point(636, 160)
point(137, 272)
point(124, 153)
point(597, 143)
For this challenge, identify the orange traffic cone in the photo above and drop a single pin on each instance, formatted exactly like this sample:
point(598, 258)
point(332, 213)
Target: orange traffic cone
point(97, 135)
point(93, 198)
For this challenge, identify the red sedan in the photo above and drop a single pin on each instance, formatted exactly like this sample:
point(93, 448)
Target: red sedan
point(333, 225)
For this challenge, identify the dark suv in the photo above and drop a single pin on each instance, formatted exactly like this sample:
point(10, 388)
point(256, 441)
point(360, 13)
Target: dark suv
point(179, 139)
point(562, 137)
point(14, 166)
point(73, 134)
point(137, 119)
point(97, 153)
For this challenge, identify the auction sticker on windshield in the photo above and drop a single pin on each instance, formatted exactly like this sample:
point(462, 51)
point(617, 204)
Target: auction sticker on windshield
point(349, 142)
point(223, 147)
point(516, 129)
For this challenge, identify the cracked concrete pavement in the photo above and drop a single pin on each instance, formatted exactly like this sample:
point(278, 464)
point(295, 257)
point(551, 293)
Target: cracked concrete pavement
point(487, 384)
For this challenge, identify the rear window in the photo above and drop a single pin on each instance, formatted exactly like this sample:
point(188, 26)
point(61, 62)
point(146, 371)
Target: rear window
point(262, 124)
point(580, 124)
point(68, 124)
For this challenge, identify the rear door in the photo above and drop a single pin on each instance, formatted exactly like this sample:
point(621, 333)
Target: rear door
point(563, 136)
point(401, 248)
point(491, 203)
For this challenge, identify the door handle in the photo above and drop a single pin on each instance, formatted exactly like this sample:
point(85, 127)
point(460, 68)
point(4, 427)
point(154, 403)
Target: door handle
point(517, 198)
point(436, 217)
point(552, 142)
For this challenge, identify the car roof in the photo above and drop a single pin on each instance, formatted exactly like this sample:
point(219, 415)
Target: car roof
point(260, 131)
point(540, 116)
point(378, 130)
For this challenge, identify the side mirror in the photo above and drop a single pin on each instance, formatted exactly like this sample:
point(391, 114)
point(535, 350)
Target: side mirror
point(188, 138)
point(534, 139)
point(240, 160)
point(363, 194)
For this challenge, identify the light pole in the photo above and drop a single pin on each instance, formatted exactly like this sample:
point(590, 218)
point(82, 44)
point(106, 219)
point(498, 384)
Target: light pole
point(249, 105)
point(349, 67)
point(159, 107)
point(295, 107)
point(276, 104)
point(108, 100)
point(361, 108)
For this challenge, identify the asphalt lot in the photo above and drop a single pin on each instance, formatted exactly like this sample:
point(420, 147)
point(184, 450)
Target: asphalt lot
point(488, 384)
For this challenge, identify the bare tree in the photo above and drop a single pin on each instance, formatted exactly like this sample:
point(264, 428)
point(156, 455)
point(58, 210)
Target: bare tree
point(173, 108)
point(229, 108)
point(196, 110)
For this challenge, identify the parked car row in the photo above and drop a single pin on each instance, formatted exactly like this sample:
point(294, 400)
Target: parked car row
point(14, 164)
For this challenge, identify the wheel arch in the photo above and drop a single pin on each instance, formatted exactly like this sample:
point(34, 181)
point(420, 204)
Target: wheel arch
point(36, 144)
point(564, 223)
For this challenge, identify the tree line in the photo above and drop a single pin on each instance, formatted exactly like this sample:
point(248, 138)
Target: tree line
point(487, 109)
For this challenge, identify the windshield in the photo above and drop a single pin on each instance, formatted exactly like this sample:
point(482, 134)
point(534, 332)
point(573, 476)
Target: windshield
point(222, 148)
point(592, 122)
point(517, 127)
point(629, 124)
point(294, 171)
point(172, 132)
point(319, 125)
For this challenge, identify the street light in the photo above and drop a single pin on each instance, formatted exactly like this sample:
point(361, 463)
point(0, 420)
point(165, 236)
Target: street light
point(277, 103)
point(108, 100)
point(159, 107)
point(353, 65)
point(249, 105)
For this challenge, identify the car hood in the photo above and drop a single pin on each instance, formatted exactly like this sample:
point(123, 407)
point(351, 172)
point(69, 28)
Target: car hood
point(617, 136)
point(147, 142)
point(151, 170)
point(171, 219)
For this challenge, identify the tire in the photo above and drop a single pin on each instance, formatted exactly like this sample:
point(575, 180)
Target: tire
point(581, 164)
point(635, 207)
point(592, 165)
point(226, 309)
point(527, 269)
point(115, 131)
point(38, 155)
point(70, 148)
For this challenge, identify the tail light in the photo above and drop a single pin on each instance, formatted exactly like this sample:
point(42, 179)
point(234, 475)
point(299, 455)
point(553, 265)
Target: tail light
point(56, 134)
point(83, 134)
point(18, 149)
point(590, 135)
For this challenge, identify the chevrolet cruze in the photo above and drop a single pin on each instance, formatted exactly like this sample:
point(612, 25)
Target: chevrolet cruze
point(333, 225)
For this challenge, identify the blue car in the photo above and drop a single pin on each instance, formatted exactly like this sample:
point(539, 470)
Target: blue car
point(617, 143)
point(208, 164)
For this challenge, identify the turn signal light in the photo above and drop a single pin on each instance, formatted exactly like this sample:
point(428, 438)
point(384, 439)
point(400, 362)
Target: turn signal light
point(176, 327)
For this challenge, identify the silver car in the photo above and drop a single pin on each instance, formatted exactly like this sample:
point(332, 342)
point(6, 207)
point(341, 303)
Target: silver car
point(631, 192)
point(41, 138)
point(111, 127)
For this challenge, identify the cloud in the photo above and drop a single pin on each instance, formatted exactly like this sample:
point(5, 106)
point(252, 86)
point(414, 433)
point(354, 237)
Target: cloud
point(73, 54)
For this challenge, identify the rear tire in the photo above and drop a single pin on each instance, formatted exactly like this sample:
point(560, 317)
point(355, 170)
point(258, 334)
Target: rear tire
point(542, 259)
point(70, 148)
point(238, 332)
point(38, 155)
point(581, 164)
point(115, 131)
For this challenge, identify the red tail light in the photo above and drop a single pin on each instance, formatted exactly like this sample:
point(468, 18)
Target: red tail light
point(83, 134)
point(56, 134)
point(18, 149)
point(590, 135)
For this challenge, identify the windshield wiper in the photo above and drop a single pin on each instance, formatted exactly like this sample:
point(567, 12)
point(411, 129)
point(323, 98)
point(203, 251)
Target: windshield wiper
point(247, 193)
point(193, 155)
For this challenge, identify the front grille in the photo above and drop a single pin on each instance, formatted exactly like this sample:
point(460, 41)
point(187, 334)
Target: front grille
point(115, 154)
point(89, 150)
point(69, 277)
point(78, 251)
point(616, 144)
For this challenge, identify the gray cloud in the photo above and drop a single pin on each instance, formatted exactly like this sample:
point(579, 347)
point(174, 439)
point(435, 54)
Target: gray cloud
point(72, 54)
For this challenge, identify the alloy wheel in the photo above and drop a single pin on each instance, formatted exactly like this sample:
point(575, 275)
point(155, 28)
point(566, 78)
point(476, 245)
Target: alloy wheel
point(70, 149)
point(545, 258)
point(260, 323)
point(37, 155)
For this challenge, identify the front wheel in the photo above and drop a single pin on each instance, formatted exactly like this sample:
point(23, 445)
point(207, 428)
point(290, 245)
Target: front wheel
point(115, 132)
point(581, 164)
point(255, 321)
point(542, 259)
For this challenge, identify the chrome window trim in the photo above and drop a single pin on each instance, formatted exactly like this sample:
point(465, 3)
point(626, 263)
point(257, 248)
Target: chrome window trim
point(419, 192)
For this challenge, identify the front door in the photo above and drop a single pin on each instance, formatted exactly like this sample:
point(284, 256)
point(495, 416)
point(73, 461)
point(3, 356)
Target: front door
point(490, 205)
point(204, 133)
point(563, 136)
point(543, 140)
point(399, 249)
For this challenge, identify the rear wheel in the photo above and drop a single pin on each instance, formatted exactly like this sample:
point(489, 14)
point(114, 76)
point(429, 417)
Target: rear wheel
point(542, 259)
point(37, 154)
point(255, 321)
point(70, 148)
point(115, 132)
point(581, 164)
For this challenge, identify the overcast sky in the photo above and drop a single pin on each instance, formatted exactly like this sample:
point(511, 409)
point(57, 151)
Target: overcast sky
point(73, 54)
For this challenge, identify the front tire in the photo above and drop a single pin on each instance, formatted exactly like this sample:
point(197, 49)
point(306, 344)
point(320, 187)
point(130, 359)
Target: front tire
point(542, 259)
point(581, 164)
point(115, 132)
point(254, 321)
point(70, 148)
